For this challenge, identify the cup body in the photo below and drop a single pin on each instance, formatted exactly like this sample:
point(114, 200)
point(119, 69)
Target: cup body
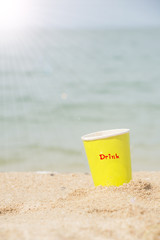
point(108, 154)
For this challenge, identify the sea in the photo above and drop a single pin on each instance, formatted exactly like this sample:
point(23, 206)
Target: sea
point(57, 85)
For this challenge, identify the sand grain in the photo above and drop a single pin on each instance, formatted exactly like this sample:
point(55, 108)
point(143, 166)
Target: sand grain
point(35, 206)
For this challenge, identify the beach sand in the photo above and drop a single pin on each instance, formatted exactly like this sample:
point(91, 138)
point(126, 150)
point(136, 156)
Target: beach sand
point(36, 206)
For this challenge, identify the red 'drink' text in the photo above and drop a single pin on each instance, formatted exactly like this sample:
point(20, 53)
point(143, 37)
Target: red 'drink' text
point(108, 156)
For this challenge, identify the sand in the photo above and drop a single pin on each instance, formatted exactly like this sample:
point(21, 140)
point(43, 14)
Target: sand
point(36, 206)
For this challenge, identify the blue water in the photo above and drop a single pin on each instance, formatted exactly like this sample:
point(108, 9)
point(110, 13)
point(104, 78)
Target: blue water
point(57, 85)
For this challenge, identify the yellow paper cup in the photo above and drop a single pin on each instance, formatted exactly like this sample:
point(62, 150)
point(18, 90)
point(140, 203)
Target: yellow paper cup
point(108, 154)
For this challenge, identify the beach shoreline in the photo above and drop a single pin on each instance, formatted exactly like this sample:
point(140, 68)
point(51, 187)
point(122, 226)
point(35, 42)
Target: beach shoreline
point(48, 205)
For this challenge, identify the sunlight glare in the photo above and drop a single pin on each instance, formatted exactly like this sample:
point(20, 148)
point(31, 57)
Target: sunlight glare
point(14, 14)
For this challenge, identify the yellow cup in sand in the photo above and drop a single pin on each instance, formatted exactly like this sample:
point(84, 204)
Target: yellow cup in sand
point(108, 154)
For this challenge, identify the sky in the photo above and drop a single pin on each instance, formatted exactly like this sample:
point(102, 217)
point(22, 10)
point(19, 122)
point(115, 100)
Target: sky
point(100, 13)
point(79, 13)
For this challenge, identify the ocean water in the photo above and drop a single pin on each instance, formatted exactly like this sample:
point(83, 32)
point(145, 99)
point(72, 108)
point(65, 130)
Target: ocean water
point(57, 85)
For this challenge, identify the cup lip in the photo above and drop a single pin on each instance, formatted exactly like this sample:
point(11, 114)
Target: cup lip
point(104, 134)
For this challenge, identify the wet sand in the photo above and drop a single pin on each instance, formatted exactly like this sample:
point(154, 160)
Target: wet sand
point(36, 206)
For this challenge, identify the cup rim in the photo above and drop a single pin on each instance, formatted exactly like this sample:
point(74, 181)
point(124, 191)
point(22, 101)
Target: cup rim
point(104, 134)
